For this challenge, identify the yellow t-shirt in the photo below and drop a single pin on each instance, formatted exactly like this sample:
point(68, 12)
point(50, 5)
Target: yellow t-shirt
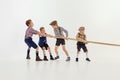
point(81, 37)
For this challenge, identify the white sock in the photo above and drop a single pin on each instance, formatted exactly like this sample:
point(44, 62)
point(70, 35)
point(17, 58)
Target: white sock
point(86, 55)
point(77, 55)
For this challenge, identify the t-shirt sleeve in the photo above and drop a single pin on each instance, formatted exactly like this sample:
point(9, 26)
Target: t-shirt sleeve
point(66, 32)
point(33, 31)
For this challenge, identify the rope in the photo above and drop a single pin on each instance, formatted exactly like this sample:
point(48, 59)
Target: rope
point(95, 42)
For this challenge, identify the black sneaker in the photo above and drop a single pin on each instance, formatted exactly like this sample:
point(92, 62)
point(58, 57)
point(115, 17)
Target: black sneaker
point(77, 59)
point(57, 57)
point(51, 57)
point(45, 58)
point(38, 58)
point(28, 57)
point(87, 59)
point(68, 59)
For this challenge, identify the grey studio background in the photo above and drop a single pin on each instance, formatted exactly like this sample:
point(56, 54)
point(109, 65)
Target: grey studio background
point(101, 19)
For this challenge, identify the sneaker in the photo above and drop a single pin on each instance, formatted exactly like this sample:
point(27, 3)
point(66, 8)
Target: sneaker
point(38, 59)
point(77, 59)
point(68, 59)
point(57, 57)
point(51, 57)
point(45, 58)
point(28, 57)
point(87, 59)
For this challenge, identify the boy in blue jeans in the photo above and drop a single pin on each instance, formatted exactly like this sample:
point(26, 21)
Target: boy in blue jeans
point(28, 40)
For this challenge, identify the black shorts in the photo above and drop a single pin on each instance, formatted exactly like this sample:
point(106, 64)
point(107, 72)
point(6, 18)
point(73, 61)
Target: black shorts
point(44, 45)
point(30, 43)
point(81, 45)
point(60, 42)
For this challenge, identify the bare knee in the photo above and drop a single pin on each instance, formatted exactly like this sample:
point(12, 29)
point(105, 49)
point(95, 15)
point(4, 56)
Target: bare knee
point(37, 49)
point(43, 48)
point(56, 49)
point(48, 48)
point(29, 48)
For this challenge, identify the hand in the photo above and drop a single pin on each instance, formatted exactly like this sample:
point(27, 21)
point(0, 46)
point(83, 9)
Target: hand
point(86, 42)
point(44, 35)
point(53, 36)
point(67, 38)
point(64, 38)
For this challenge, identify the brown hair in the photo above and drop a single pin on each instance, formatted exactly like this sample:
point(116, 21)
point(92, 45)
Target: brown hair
point(41, 28)
point(28, 22)
point(53, 22)
point(82, 28)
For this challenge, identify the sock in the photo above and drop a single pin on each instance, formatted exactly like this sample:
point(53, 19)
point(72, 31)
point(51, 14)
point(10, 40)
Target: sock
point(44, 55)
point(57, 55)
point(77, 55)
point(50, 54)
point(37, 54)
point(86, 55)
point(68, 57)
point(28, 52)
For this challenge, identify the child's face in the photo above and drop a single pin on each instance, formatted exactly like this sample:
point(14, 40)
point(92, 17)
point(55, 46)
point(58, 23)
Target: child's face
point(43, 31)
point(54, 26)
point(82, 31)
point(31, 24)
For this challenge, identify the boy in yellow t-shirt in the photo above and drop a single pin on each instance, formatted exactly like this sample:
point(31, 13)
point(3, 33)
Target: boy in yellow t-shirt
point(81, 44)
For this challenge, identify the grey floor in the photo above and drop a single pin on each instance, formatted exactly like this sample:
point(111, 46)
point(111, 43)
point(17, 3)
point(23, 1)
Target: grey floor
point(21, 69)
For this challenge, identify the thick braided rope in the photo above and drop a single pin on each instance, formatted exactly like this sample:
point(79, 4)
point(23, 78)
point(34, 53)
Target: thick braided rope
point(95, 42)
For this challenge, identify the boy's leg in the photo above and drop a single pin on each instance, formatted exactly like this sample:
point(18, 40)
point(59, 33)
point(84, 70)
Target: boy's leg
point(86, 51)
point(77, 57)
point(28, 53)
point(45, 57)
point(37, 55)
point(78, 51)
point(49, 50)
point(27, 41)
point(33, 44)
point(87, 58)
point(66, 52)
point(56, 51)
point(64, 49)
point(43, 49)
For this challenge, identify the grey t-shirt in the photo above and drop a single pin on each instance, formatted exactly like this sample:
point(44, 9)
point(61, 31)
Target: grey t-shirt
point(59, 32)
point(29, 32)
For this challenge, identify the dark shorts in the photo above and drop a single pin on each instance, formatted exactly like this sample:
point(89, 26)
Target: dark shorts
point(30, 43)
point(60, 42)
point(45, 45)
point(81, 45)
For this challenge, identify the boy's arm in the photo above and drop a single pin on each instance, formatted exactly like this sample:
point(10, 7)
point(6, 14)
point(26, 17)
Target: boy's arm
point(65, 31)
point(46, 35)
point(86, 39)
point(40, 34)
point(34, 31)
point(51, 36)
point(79, 39)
